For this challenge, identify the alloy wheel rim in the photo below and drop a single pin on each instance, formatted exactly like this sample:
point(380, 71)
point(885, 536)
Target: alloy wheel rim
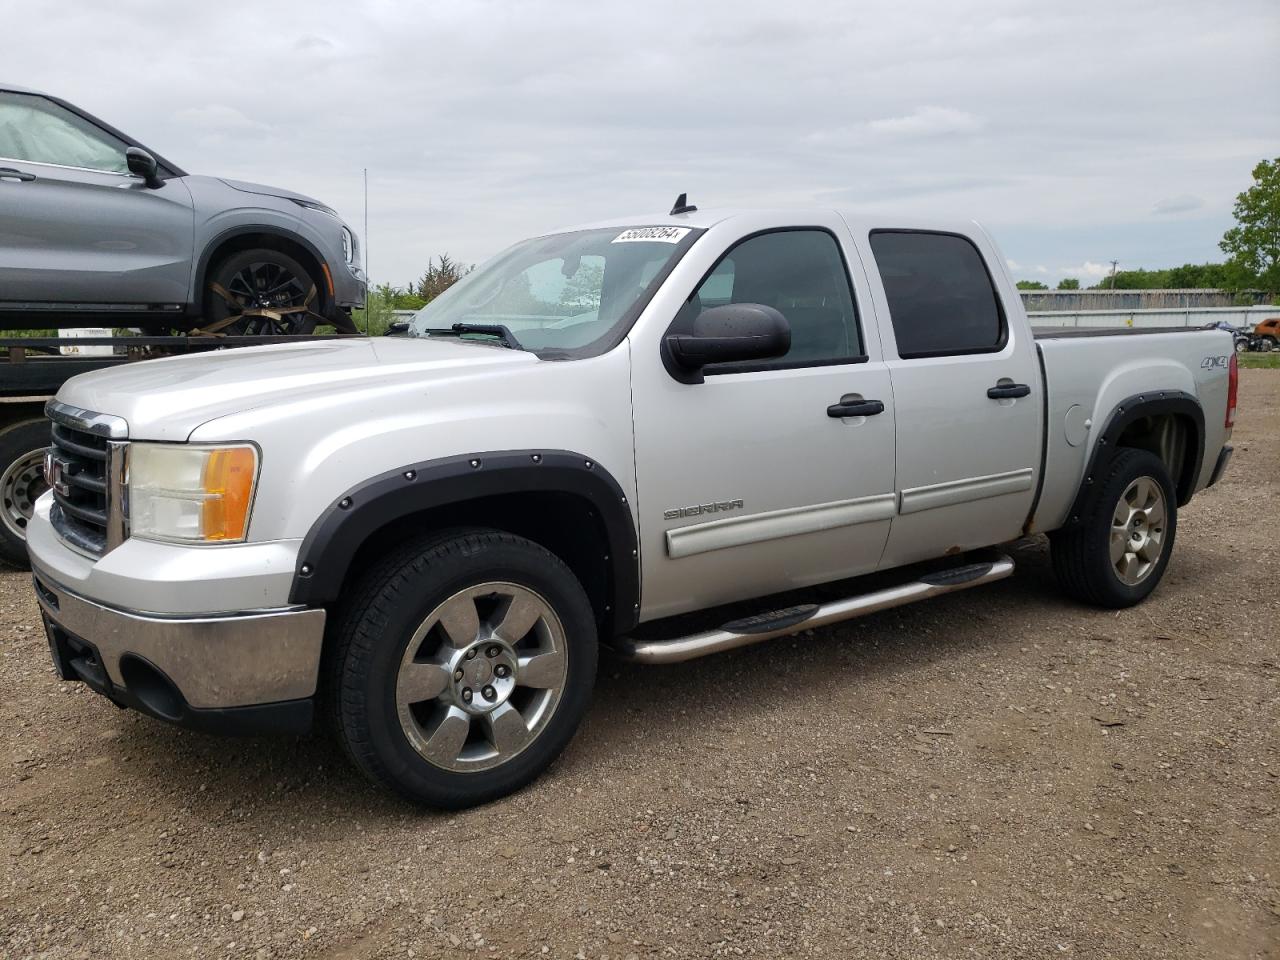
point(267, 286)
point(20, 486)
point(1138, 530)
point(481, 677)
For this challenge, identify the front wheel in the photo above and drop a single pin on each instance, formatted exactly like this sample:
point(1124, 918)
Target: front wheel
point(461, 667)
point(267, 292)
point(22, 448)
point(1117, 553)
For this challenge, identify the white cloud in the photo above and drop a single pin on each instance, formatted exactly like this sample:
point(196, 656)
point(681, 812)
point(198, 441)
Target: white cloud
point(1182, 203)
point(1087, 270)
point(928, 122)
point(219, 118)
point(481, 123)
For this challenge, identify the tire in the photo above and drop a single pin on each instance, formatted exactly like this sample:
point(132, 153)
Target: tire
point(1242, 346)
point(1083, 557)
point(1267, 344)
point(402, 638)
point(22, 448)
point(261, 278)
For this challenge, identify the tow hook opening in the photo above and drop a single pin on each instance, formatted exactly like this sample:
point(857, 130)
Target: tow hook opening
point(152, 688)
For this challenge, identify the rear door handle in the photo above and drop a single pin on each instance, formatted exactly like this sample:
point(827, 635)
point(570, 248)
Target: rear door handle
point(855, 408)
point(1008, 391)
point(8, 173)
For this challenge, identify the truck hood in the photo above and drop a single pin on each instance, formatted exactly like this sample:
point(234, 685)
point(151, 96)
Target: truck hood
point(169, 398)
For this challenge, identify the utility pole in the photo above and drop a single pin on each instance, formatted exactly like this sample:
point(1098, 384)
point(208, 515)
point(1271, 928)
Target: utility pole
point(1114, 263)
point(367, 282)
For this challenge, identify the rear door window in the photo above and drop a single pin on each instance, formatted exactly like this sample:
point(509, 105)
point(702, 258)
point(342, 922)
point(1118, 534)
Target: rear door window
point(941, 298)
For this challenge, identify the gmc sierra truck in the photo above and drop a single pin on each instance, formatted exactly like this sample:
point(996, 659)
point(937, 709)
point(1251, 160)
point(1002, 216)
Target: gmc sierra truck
point(603, 435)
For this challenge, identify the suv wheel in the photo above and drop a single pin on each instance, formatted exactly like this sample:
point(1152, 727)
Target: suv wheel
point(1118, 552)
point(262, 280)
point(22, 448)
point(461, 667)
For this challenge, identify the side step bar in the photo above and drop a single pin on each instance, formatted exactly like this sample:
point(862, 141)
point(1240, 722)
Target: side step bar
point(780, 623)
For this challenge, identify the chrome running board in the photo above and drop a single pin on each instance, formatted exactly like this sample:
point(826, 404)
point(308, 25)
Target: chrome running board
point(780, 623)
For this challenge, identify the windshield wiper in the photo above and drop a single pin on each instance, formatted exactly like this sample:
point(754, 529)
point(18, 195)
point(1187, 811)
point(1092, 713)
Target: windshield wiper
point(499, 330)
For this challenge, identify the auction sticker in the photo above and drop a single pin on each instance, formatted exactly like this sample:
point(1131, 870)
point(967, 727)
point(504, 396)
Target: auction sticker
point(652, 235)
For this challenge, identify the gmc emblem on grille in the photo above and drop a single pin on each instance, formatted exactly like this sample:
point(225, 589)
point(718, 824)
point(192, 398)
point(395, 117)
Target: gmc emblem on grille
point(56, 471)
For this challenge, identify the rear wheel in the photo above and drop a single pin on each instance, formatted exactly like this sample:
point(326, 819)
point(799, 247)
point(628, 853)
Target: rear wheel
point(461, 667)
point(1117, 553)
point(22, 448)
point(1267, 344)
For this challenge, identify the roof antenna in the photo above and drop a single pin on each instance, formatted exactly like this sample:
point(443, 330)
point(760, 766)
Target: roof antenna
point(682, 205)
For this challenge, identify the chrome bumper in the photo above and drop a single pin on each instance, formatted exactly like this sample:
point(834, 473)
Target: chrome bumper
point(210, 663)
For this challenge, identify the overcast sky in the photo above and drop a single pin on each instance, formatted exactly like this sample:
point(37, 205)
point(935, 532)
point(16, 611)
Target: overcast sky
point(1080, 132)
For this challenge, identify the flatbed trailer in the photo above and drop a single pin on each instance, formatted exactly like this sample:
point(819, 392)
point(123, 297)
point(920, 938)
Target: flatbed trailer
point(32, 370)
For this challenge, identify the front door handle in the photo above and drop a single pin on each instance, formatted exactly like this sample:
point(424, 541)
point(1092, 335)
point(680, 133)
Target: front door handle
point(8, 173)
point(848, 407)
point(1008, 391)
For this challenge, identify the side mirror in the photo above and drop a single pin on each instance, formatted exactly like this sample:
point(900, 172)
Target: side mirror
point(733, 333)
point(144, 165)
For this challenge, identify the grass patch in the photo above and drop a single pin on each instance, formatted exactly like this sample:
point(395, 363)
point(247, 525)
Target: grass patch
point(1260, 361)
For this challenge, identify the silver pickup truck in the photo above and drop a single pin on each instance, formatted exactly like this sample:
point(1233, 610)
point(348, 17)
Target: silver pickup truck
point(597, 433)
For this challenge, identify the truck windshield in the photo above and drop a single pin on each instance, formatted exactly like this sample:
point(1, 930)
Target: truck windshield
point(564, 293)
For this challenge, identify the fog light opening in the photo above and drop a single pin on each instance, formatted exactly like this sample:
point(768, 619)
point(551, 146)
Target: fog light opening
point(151, 688)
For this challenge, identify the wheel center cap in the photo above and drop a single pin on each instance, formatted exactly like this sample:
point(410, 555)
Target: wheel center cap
point(484, 675)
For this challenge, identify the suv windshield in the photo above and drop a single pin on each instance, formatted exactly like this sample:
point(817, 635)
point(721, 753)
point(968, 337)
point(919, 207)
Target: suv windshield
point(564, 293)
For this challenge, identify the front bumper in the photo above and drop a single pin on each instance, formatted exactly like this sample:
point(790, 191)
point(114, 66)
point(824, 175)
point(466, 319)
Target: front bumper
point(245, 673)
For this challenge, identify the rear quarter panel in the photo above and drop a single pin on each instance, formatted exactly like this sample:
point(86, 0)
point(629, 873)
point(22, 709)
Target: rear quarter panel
point(1097, 374)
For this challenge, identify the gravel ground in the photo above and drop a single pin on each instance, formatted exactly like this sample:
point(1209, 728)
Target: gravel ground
point(997, 773)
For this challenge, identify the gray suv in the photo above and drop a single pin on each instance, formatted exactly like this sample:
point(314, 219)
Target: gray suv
point(98, 230)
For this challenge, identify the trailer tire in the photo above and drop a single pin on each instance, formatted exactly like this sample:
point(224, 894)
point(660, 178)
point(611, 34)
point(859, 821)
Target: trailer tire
point(22, 448)
point(1118, 551)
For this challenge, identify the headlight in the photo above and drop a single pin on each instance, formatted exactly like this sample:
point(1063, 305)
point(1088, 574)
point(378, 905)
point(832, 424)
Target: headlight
point(317, 206)
point(191, 493)
point(348, 245)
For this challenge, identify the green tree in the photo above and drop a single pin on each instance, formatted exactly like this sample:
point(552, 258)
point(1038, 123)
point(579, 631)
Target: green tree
point(1198, 276)
point(1252, 246)
point(1069, 283)
point(1031, 285)
point(1134, 280)
point(442, 273)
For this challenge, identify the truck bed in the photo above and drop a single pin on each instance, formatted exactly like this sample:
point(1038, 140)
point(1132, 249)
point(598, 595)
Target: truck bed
point(1087, 381)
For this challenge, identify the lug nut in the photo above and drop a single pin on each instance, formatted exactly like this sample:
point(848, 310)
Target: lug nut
point(489, 693)
point(466, 694)
point(457, 674)
point(502, 671)
point(493, 652)
point(471, 654)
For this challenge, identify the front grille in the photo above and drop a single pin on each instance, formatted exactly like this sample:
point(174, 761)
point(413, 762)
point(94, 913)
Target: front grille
point(80, 510)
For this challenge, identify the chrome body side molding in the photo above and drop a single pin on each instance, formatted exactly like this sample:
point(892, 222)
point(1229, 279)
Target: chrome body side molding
point(756, 528)
point(967, 490)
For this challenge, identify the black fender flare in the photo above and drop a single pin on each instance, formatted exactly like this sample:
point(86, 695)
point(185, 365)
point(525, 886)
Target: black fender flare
point(256, 229)
point(325, 557)
point(1129, 410)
